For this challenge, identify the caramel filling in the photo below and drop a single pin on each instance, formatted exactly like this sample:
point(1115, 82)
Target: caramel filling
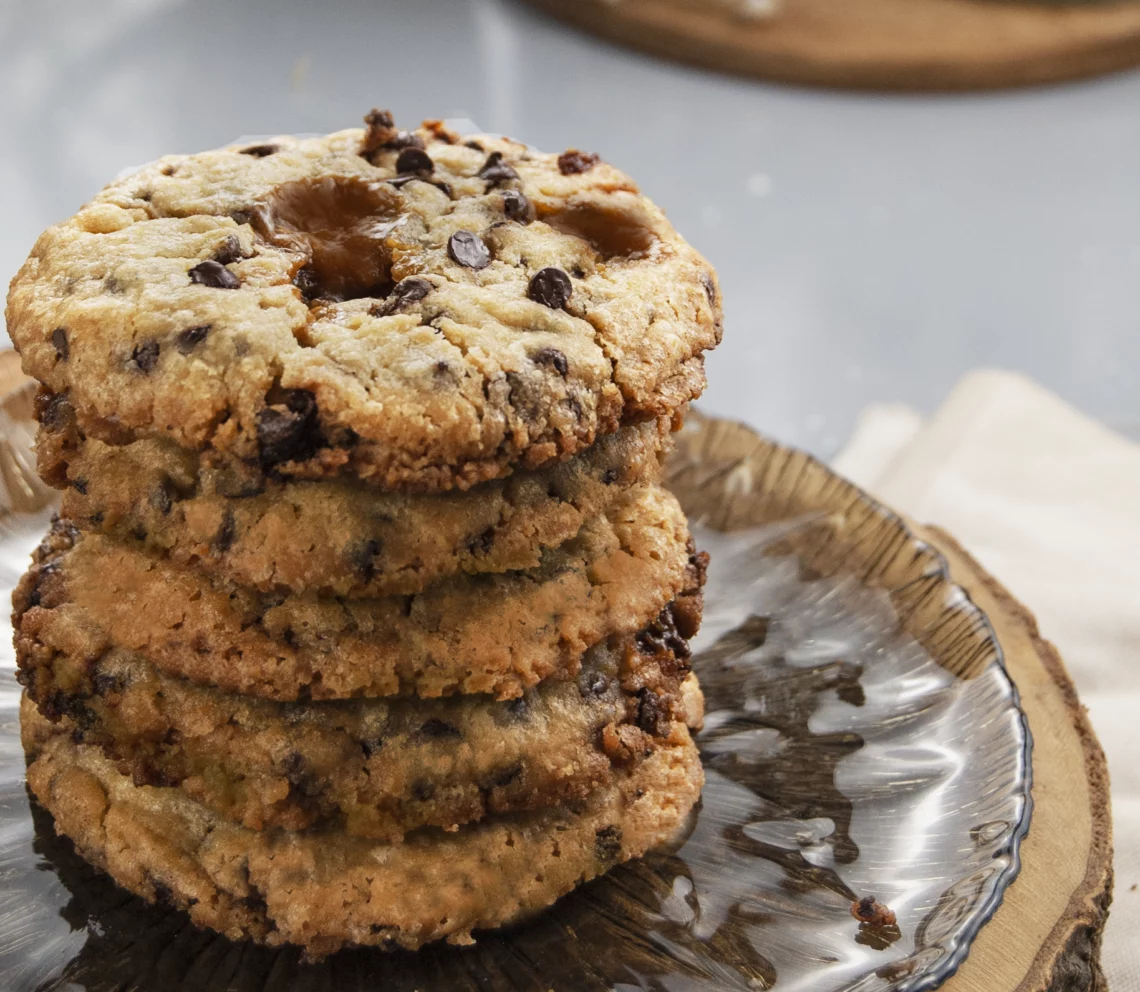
point(342, 225)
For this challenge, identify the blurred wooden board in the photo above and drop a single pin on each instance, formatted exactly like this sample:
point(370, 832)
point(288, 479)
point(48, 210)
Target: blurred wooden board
point(877, 44)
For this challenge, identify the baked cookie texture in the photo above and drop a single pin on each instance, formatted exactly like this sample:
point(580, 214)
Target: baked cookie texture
point(325, 891)
point(407, 308)
point(337, 537)
point(366, 621)
point(497, 634)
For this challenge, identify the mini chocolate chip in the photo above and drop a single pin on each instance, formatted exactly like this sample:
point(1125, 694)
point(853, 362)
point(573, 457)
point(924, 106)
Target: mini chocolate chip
point(214, 274)
point(551, 287)
point(438, 728)
point(495, 170)
point(414, 159)
point(442, 367)
point(289, 431)
point(404, 139)
point(552, 357)
point(405, 291)
point(650, 713)
point(573, 161)
point(60, 343)
point(607, 843)
point(145, 356)
point(610, 476)
point(592, 684)
point(80, 486)
point(362, 555)
point(483, 543)
point(229, 250)
point(308, 282)
point(160, 499)
point(468, 249)
point(186, 341)
point(261, 151)
point(439, 184)
point(472, 143)
point(225, 534)
point(517, 207)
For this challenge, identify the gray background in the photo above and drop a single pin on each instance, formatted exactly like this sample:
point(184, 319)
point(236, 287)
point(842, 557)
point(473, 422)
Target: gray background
point(870, 247)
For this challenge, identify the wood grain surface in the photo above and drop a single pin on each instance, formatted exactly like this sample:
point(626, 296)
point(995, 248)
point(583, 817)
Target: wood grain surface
point(877, 44)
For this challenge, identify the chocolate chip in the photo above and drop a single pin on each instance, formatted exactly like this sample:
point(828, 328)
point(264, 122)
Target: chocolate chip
point(610, 476)
point(80, 486)
point(663, 635)
point(405, 291)
point(400, 181)
point(651, 715)
point(371, 746)
point(552, 357)
point(144, 357)
point(468, 249)
point(442, 367)
point(483, 543)
point(519, 708)
point(607, 843)
point(308, 282)
point(260, 151)
point(229, 250)
point(472, 143)
point(593, 684)
point(60, 343)
point(105, 683)
point(414, 160)
point(551, 287)
point(225, 533)
point(362, 556)
point(573, 161)
point(439, 729)
point(289, 431)
point(380, 128)
point(186, 341)
point(160, 499)
point(495, 170)
point(214, 274)
point(517, 207)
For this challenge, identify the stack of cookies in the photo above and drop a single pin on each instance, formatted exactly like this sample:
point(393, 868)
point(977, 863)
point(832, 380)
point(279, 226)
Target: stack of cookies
point(365, 621)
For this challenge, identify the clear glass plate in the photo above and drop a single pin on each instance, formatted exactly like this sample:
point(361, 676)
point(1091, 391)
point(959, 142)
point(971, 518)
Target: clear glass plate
point(863, 740)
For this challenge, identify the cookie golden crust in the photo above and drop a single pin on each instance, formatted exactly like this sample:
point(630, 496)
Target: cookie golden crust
point(497, 634)
point(405, 307)
point(339, 536)
point(371, 768)
point(324, 890)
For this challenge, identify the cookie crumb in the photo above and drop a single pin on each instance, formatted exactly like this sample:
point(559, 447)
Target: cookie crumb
point(869, 910)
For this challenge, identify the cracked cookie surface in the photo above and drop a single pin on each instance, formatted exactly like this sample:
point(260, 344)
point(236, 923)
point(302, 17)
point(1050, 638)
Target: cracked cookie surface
point(324, 890)
point(496, 634)
point(410, 308)
point(336, 536)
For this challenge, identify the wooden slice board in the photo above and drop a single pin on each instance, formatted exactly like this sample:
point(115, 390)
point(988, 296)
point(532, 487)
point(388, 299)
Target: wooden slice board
point(877, 44)
point(1045, 936)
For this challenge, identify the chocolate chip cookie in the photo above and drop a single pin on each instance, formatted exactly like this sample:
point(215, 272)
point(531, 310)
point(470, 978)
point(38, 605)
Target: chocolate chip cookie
point(325, 890)
point(338, 536)
point(407, 308)
point(495, 634)
point(371, 768)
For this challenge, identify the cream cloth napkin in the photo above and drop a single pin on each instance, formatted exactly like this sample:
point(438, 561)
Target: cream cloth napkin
point(1048, 500)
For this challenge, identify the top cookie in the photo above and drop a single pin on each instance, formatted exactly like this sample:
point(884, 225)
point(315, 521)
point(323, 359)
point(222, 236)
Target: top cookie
point(413, 308)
